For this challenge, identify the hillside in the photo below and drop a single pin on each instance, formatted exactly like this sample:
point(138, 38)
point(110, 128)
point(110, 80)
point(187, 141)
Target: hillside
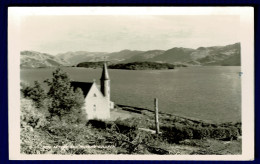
point(132, 135)
point(228, 55)
point(122, 56)
point(174, 55)
point(144, 56)
point(33, 59)
point(84, 56)
point(80, 56)
point(218, 55)
point(223, 56)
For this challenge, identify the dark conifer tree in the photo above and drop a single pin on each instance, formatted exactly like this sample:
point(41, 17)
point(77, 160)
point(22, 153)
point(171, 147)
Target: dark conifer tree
point(64, 101)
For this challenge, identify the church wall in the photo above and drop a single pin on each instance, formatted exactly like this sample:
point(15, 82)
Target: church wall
point(96, 105)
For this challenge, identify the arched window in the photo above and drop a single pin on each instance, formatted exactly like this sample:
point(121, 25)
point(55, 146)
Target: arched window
point(95, 95)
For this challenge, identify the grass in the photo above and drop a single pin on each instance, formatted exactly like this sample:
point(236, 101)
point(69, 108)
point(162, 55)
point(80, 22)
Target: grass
point(179, 135)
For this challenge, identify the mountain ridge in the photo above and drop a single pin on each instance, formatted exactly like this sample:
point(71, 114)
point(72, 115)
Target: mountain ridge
point(34, 59)
point(228, 55)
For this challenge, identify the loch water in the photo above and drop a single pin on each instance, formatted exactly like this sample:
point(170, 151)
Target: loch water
point(210, 93)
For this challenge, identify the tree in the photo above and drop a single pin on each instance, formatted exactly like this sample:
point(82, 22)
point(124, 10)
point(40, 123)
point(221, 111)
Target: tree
point(64, 101)
point(35, 93)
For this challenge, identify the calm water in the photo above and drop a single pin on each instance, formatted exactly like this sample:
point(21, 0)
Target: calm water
point(207, 93)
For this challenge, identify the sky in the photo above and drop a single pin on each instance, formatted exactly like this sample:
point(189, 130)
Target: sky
point(55, 34)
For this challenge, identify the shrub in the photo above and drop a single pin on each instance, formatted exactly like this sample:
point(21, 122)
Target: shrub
point(124, 126)
point(63, 129)
point(176, 133)
point(240, 130)
point(224, 133)
point(182, 132)
point(99, 124)
point(31, 116)
point(201, 132)
point(35, 93)
point(234, 133)
point(119, 126)
point(238, 125)
point(32, 142)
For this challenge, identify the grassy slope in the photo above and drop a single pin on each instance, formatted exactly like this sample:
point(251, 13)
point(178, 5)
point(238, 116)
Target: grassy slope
point(90, 140)
point(61, 138)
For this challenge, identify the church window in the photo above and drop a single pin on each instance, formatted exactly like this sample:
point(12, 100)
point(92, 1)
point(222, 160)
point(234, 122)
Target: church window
point(94, 107)
point(95, 95)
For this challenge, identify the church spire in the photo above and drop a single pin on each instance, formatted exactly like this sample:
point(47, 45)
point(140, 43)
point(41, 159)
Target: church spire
point(105, 82)
point(104, 75)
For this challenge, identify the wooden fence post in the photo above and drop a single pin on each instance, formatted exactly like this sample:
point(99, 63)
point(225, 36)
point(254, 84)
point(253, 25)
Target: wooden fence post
point(156, 115)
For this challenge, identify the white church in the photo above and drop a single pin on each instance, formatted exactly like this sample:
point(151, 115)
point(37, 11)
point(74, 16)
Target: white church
point(97, 102)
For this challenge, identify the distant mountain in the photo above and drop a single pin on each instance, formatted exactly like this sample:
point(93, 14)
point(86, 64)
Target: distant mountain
point(33, 59)
point(122, 56)
point(228, 55)
point(174, 55)
point(232, 60)
point(216, 55)
point(223, 55)
point(144, 56)
point(81, 56)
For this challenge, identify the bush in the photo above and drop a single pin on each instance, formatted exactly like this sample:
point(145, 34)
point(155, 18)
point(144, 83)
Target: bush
point(63, 129)
point(201, 132)
point(182, 132)
point(119, 126)
point(234, 133)
point(35, 93)
point(125, 127)
point(238, 125)
point(224, 133)
point(176, 133)
point(32, 142)
point(99, 124)
point(239, 131)
point(31, 116)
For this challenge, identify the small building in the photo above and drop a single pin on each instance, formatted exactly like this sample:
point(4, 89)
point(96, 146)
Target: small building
point(97, 101)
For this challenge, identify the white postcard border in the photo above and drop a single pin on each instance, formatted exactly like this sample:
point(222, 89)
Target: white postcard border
point(16, 14)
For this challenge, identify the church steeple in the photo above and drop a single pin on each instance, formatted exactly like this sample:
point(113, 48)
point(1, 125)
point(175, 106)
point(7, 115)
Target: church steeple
point(104, 75)
point(105, 82)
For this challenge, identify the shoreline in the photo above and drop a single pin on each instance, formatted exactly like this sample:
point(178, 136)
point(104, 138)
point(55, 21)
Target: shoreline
point(144, 111)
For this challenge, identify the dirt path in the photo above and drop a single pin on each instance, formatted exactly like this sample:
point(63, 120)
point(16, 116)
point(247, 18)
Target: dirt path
point(121, 114)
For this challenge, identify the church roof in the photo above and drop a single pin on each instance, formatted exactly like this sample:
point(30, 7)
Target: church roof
point(84, 86)
point(104, 75)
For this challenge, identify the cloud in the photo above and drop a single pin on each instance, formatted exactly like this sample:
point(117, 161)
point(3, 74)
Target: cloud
point(56, 34)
